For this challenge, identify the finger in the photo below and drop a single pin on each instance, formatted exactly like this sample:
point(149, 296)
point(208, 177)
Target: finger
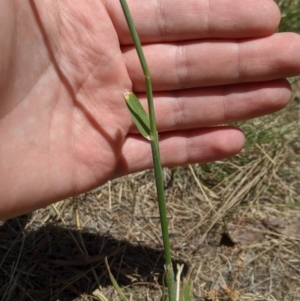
point(176, 20)
point(211, 106)
point(211, 62)
point(180, 148)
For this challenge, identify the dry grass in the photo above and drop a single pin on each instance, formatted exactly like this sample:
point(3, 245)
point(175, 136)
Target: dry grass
point(235, 225)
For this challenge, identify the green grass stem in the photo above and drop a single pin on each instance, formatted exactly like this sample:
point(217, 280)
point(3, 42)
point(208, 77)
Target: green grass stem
point(155, 154)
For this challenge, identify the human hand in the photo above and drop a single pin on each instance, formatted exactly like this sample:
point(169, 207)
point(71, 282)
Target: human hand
point(64, 125)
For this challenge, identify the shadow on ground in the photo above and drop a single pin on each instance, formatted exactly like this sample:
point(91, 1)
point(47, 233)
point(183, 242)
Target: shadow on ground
point(49, 263)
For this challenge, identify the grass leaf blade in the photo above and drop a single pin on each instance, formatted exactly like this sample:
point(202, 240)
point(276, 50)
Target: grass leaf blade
point(186, 292)
point(138, 114)
point(114, 282)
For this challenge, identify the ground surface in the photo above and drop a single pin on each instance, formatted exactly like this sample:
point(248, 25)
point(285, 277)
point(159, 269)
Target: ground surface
point(235, 225)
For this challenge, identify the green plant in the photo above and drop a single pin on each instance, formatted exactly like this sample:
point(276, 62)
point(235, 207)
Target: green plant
point(290, 17)
point(147, 126)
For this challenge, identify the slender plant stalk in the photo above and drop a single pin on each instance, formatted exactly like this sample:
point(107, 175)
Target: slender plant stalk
point(155, 154)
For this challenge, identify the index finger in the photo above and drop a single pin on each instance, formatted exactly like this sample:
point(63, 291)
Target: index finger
point(177, 20)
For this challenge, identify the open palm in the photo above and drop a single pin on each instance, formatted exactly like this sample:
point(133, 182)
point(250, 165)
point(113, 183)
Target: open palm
point(64, 65)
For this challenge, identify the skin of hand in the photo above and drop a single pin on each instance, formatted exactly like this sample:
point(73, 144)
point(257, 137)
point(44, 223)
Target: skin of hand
point(64, 65)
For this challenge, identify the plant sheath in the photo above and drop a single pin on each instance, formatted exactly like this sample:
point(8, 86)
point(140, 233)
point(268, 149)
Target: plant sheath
point(155, 154)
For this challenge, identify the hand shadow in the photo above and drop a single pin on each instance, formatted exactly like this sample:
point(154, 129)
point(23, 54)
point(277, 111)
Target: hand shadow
point(49, 263)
